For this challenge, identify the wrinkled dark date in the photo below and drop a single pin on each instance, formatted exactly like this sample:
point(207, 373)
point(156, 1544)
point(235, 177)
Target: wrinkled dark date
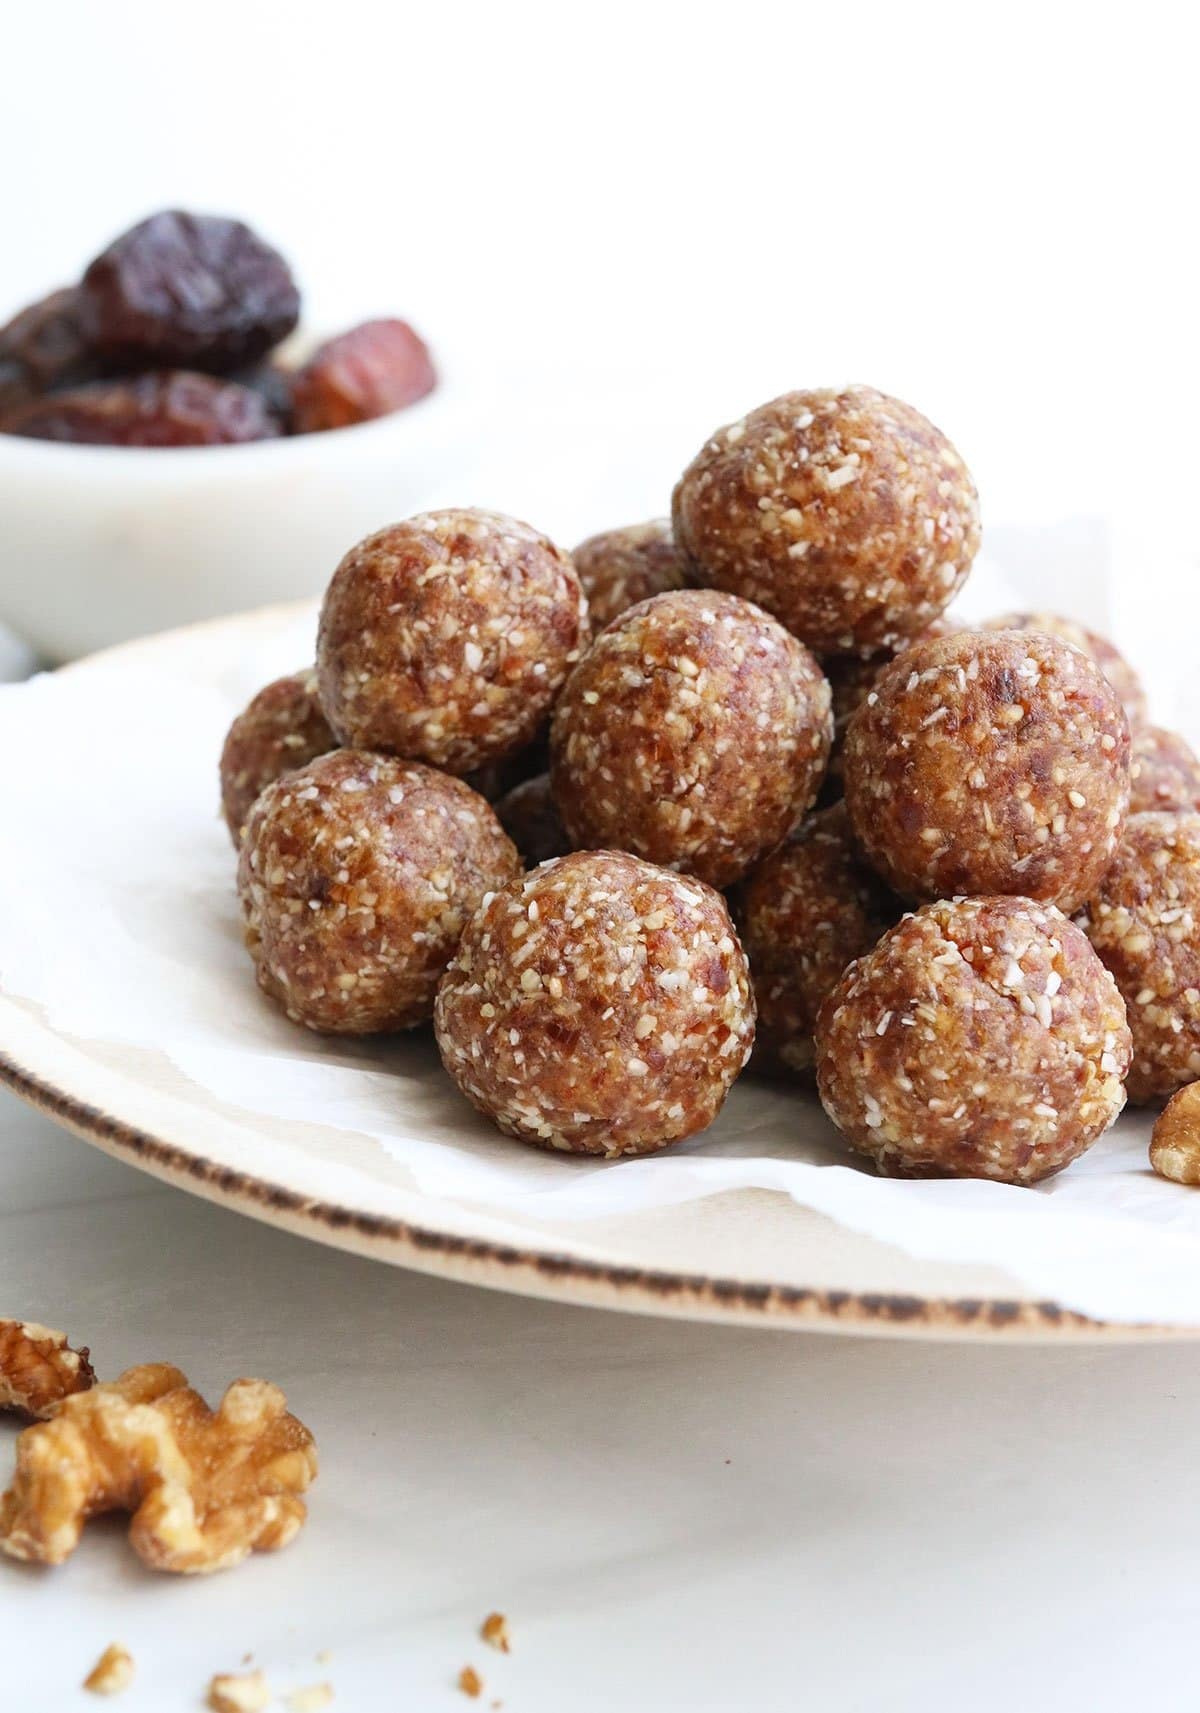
point(374, 369)
point(43, 347)
point(193, 290)
point(173, 408)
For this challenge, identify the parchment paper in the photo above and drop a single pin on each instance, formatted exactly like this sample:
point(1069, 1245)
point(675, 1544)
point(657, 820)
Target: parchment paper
point(117, 917)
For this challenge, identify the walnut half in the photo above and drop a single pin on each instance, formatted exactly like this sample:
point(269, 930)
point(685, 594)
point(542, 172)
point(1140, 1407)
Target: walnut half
point(1175, 1140)
point(38, 1368)
point(204, 1488)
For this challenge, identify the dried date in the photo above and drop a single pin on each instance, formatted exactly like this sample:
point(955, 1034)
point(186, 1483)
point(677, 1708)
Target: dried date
point(192, 290)
point(42, 347)
point(171, 408)
point(374, 369)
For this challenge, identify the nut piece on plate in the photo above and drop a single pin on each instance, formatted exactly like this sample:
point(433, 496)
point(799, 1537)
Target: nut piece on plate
point(193, 290)
point(621, 567)
point(804, 913)
point(694, 733)
point(173, 408)
point(990, 762)
point(1175, 1140)
point(38, 1368)
point(447, 638)
point(357, 875)
point(598, 1005)
point(1164, 772)
point(112, 1672)
point(280, 730)
point(239, 1692)
point(1142, 919)
point(374, 369)
point(528, 816)
point(846, 514)
point(1106, 655)
point(981, 1038)
point(204, 1489)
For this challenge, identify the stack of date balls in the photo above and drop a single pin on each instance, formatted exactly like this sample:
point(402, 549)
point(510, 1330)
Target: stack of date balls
point(732, 785)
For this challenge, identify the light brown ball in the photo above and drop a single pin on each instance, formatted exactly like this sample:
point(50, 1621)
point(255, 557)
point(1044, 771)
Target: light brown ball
point(599, 1005)
point(804, 913)
point(1164, 772)
point(357, 876)
point(1144, 920)
point(281, 729)
point(981, 1038)
point(694, 733)
point(448, 637)
point(846, 514)
point(621, 567)
point(851, 680)
point(987, 762)
point(1106, 655)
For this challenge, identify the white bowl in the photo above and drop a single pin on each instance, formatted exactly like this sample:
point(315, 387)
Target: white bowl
point(99, 544)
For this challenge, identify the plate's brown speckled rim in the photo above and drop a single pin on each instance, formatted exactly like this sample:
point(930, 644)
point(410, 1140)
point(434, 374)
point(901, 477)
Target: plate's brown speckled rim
point(540, 1273)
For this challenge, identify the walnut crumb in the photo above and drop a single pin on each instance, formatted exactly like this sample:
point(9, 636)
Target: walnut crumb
point(494, 1630)
point(310, 1699)
point(38, 1368)
point(112, 1672)
point(470, 1682)
point(1175, 1140)
point(245, 1692)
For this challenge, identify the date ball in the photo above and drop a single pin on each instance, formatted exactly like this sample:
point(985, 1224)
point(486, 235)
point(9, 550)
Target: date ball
point(282, 729)
point(624, 566)
point(846, 514)
point(357, 876)
point(807, 911)
point(1142, 919)
point(851, 678)
point(599, 1005)
point(1164, 772)
point(1107, 656)
point(981, 1038)
point(990, 762)
point(694, 733)
point(528, 816)
point(448, 638)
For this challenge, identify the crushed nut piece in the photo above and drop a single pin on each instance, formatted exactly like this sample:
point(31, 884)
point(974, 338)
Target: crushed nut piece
point(469, 1681)
point(310, 1699)
point(112, 1672)
point(38, 1368)
point(494, 1629)
point(1175, 1140)
point(204, 1488)
point(247, 1692)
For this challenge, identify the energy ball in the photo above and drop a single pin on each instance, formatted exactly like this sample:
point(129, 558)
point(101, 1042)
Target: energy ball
point(528, 816)
point(805, 913)
point(282, 728)
point(447, 638)
point(846, 514)
point(357, 876)
point(982, 1038)
point(1164, 772)
point(599, 1005)
point(990, 762)
point(1142, 919)
point(851, 680)
point(1107, 657)
point(694, 733)
point(624, 566)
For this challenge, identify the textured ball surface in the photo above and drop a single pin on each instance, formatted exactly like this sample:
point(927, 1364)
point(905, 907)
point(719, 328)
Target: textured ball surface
point(621, 567)
point(1106, 655)
point(598, 1005)
point(281, 729)
point(1142, 920)
point(981, 1038)
point(1164, 772)
point(447, 638)
point(357, 876)
point(846, 514)
point(987, 762)
point(694, 733)
point(806, 912)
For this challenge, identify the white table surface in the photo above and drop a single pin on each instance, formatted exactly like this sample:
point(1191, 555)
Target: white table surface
point(671, 1516)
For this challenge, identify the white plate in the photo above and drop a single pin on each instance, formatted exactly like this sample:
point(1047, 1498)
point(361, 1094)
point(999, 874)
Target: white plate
point(127, 1011)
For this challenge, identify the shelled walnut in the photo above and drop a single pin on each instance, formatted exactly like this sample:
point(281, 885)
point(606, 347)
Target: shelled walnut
point(38, 1368)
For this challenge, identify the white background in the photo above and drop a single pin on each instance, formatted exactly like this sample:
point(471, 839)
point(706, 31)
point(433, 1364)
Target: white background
point(619, 225)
